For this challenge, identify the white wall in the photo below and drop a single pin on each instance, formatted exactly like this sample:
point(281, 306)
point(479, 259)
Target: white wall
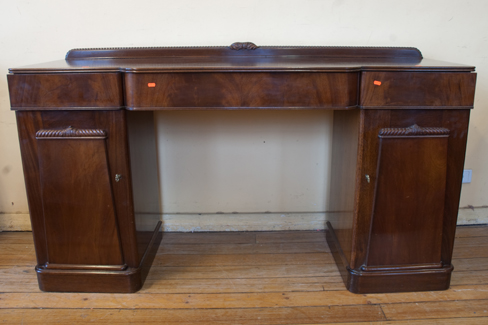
point(241, 161)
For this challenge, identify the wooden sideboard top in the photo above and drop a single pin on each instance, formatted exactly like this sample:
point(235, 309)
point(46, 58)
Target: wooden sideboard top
point(242, 76)
point(242, 57)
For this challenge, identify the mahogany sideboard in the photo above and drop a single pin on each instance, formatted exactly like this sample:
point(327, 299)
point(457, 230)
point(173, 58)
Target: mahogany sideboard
point(399, 138)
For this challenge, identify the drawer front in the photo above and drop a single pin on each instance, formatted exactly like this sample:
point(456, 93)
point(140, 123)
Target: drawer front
point(65, 91)
point(241, 90)
point(442, 89)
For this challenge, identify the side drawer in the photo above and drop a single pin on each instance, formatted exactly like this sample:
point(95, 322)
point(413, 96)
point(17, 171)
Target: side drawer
point(66, 91)
point(421, 89)
point(280, 90)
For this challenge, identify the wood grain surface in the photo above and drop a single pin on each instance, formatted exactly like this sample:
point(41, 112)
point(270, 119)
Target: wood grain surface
point(417, 89)
point(65, 91)
point(241, 90)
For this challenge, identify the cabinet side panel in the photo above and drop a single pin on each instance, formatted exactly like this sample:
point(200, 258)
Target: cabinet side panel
point(457, 122)
point(409, 201)
point(79, 210)
point(28, 123)
point(343, 177)
point(145, 180)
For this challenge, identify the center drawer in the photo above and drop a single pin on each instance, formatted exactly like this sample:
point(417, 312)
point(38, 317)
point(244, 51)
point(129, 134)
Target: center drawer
point(261, 90)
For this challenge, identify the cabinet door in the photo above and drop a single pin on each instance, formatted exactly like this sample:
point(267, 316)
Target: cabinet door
point(82, 218)
point(409, 197)
point(78, 202)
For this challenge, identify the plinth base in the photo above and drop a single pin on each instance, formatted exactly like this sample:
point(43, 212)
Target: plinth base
point(99, 280)
point(394, 279)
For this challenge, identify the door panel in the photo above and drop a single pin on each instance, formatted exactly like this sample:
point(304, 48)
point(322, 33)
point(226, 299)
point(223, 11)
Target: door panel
point(78, 203)
point(409, 200)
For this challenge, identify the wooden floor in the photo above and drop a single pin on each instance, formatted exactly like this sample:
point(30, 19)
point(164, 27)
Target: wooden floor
point(245, 278)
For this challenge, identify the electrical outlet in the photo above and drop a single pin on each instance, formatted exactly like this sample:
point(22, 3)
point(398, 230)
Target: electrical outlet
point(467, 176)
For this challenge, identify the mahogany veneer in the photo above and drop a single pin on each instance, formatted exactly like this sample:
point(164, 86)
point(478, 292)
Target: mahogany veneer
point(399, 140)
point(66, 91)
point(241, 90)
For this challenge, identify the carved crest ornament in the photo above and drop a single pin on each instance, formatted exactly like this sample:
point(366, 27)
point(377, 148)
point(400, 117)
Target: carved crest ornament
point(243, 46)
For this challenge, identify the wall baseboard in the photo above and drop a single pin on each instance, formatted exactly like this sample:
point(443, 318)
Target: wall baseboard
point(242, 221)
point(473, 216)
point(15, 222)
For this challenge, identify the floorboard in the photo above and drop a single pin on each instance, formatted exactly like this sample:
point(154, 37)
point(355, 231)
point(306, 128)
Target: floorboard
point(245, 278)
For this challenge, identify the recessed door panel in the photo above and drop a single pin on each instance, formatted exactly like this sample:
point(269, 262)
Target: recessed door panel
point(78, 204)
point(410, 194)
